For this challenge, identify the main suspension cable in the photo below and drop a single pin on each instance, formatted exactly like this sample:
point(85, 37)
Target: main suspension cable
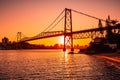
point(53, 21)
point(88, 15)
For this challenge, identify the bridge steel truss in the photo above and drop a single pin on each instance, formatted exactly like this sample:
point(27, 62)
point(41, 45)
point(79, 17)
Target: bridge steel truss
point(96, 32)
point(83, 34)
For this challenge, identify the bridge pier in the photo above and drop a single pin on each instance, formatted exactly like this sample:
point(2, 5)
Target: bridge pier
point(64, 49)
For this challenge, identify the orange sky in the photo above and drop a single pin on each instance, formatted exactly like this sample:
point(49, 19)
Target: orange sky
point(32, 16)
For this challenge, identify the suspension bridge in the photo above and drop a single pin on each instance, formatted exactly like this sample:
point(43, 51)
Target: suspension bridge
point(68, 32)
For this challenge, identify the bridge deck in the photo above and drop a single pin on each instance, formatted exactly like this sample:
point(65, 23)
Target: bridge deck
point(86, 33)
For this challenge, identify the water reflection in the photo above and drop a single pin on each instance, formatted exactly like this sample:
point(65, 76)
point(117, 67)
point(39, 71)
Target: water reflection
point(49, 64)
point(79, 66)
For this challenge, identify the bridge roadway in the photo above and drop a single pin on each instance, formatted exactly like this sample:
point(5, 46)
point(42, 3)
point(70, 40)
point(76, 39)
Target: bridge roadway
point(82, 34)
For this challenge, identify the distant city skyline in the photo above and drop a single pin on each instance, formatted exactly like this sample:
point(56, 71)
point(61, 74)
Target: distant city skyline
point(32, 16)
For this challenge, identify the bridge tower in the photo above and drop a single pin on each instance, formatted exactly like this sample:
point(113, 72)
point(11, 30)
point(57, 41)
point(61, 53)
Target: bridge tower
point(19, 35)
point(68, 39)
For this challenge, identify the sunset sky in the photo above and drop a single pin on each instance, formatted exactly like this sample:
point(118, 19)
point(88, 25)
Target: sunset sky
point(32, 16)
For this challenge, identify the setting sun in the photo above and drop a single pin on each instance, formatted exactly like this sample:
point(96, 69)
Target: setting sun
point(61, 39)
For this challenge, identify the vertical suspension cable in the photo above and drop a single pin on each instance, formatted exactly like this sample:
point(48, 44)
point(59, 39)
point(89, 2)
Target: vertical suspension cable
point(53, 21)
point(56, 24)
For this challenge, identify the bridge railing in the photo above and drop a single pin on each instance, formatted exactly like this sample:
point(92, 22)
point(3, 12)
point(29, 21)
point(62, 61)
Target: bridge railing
point(43, 35)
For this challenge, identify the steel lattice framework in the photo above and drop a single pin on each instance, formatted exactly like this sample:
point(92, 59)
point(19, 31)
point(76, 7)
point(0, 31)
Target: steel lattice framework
point(96, 32)
point(68, 39)
point(83, 34)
